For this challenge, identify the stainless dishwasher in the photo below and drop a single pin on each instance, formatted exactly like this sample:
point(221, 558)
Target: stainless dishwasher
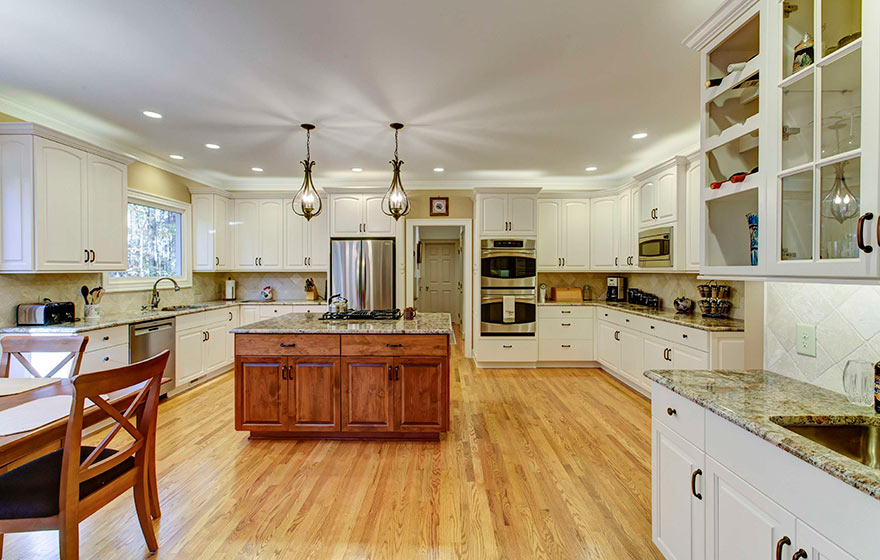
point(150, 338)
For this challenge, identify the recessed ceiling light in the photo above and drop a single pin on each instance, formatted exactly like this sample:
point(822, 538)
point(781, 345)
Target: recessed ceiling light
point(357, 169)
point(257, 169)
point(152, 114)
point(591, 168)
point(175, 156)
point(439, 170)
point(640, 135)
point(212, 146)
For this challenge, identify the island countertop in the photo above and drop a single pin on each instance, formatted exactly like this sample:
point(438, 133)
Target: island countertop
point(311, 323)
point(754, 399)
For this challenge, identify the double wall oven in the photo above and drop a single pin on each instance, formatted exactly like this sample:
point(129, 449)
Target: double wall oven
point(508, 270)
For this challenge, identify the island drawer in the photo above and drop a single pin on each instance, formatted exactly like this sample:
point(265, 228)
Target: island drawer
point(287, 345)
point(394, 345)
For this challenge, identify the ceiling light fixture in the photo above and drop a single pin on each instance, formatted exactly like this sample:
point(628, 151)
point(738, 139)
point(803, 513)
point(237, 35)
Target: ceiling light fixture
point(175, 156)
point(395, 203)
point(357, 169)
point(212, 146)
point(257, 169)
point(640, 135)
point(439, 170)
point(306, 202)
point(152, 114)
point(591, 168)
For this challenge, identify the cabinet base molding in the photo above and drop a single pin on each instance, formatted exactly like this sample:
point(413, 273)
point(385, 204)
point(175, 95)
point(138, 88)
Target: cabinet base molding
point(626, 380)
point(589, 364)
point(406, 436)
point(505, 365)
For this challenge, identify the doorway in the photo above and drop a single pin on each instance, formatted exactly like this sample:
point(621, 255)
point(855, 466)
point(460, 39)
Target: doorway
point(439, 287)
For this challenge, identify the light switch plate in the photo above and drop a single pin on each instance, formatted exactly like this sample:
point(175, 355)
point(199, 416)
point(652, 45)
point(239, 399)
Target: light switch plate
point(806, 340)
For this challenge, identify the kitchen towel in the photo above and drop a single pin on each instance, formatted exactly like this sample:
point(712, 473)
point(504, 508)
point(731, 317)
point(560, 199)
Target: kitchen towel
point(21, 384)
point(508, 309)
point(33, 414)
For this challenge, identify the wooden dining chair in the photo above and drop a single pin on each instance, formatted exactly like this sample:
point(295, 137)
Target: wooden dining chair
point(17, 346)
point(59, 490)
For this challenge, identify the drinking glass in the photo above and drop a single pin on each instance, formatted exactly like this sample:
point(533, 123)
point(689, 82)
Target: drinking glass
point(858, 382)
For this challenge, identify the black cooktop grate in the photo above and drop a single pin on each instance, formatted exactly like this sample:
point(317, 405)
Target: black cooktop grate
point(364, 314)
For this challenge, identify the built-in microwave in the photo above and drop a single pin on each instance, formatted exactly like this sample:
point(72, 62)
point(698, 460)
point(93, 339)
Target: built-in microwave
point(508, 263)
point(655, 248)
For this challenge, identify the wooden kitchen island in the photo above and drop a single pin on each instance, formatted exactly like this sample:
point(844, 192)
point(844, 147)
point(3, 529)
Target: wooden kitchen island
point(297, 376)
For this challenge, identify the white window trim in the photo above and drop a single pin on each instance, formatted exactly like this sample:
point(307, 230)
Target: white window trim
point(139, 284)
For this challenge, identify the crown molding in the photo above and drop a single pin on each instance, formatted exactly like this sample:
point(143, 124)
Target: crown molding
point(677, 160)
point(729, 12)
point(34, 129)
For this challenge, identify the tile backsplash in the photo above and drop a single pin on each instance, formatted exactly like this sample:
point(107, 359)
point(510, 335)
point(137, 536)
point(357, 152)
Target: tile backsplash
point(847, 321)
point(666, 286)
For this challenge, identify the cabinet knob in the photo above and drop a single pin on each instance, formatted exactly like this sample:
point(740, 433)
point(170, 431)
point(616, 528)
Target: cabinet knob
point(106, 338)
point(106, 358)
point(684, 336)
point(671, 411)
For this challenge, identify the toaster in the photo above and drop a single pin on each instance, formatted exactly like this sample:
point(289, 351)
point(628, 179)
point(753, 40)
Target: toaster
point(48, 313)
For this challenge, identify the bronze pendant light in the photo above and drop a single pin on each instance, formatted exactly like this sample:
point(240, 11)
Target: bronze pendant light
point(307, 202)
point(395, 203)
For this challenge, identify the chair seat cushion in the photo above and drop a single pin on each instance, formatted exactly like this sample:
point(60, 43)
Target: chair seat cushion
point(32, 489)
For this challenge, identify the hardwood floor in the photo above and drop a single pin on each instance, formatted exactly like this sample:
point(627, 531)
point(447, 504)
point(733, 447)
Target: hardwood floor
point(549, 463)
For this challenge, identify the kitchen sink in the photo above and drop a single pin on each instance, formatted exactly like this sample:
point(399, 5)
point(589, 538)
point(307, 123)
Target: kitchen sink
point(856, 438)
point(185, 307)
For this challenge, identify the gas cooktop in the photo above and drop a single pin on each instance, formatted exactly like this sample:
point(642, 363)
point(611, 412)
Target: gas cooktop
point(363, 314)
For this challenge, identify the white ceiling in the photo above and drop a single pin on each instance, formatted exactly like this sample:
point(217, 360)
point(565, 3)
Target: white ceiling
point(504, 92)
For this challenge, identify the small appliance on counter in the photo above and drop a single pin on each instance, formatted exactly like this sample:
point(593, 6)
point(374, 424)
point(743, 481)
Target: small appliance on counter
point(542, 293)
point(46, 313)
point(229, 290)
point(616, 289)
point(568, 295)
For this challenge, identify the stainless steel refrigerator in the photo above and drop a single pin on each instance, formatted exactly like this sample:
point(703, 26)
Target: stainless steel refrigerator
point(362, 270)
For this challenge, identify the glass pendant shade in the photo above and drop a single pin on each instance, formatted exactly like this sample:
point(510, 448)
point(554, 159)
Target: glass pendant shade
point(840, 203)
point(306, 202)
point(395, 203)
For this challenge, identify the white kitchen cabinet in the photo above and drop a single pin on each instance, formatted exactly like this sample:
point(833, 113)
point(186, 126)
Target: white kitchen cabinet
point(189, 355)
point(647, 202)
point(625, 249)
point(692, 214)
point(741, 522)
point(687, 358)
point(816, 546)
point(505, 213)
point(632, 358)
point(63, 203)
point(565, 333)
point(655, 354)
point(258, 234)
point(249, 314)
point(359, 215)
point(270, 311)
point(603, 233)
point(608, 345)
point(211, 232)
point(678, 513)
point(231, 323)
point(203, 344)
point(306, 242)
point(215, 346)
point(563, 233)
point(661, 193)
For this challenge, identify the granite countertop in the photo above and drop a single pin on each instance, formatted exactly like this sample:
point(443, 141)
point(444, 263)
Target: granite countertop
point(753, 399)
point(127, 318)
point(693, 320)
point(305, 323)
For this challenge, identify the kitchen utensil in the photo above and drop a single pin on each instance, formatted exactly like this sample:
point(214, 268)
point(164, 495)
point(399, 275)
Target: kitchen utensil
point(85, 294)
point(338, 304)
point(91, 311)
point(93, 295)
point(858, 382)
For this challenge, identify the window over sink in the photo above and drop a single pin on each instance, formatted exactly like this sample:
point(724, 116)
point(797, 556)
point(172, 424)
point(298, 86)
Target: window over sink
point(159, 241)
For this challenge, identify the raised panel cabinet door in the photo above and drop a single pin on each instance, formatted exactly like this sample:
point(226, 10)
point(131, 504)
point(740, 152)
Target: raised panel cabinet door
point(215, 346)
point(608, 347)
point(271, 233)
point(632, 357)
point(421, 393)
point(346, 214)
point(375, 220)
point(692, 209)
point(657, 353)
point(61, 208)
point(189, 356)
point(232, 321)
point(108, 213)
point(367, 404)
point(260, 394)
point(647, 203)
point(522, 213)
point(549, 234)
point(313, 398)
point(221, 232)
point(686, 358)
point(16, 203)
point(741, 522)
point(203, 231)
point(576, 235)
point(816, 546)
point(249, 314)
point(247, 233)
point(318, 250)
point(603, 232)
point(667, 197)
point(493, 214)
point(625, 231)
point(295, 241)
point(678, 510)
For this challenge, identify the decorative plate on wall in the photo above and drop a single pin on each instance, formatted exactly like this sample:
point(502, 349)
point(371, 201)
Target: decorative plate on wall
point(440, 206)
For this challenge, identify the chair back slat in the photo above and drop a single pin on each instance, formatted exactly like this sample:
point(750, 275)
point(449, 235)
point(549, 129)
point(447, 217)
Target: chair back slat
point(141, 380)
point(17, 346)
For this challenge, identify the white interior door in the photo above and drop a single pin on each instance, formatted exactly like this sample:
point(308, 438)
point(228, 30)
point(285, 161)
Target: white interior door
point(549, 234)
point(108, 214)
point(438, 284)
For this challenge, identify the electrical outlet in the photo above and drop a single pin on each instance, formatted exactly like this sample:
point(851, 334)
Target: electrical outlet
point(806, 340)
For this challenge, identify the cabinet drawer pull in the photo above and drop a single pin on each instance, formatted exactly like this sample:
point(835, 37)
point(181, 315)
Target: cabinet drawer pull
point(696, 473)
point(799, 555)
point(782, 542)
point(671, 411)
point(860, 236)
point(286, 345)
point(566, 345)
point(617, 335)
point(397, 373)
point(394, 346)
point(567, 312)
point(566, 324)
point(507, 346)
point(86, 251)
point(283, 370)
point(390, 377)
point(92, 251)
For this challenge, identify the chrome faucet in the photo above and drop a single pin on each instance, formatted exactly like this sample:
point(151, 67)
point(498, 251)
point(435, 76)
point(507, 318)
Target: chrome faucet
point(154, 299)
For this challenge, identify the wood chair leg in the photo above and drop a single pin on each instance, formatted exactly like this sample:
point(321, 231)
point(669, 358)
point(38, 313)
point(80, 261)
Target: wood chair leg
point(1, 546)
point(153, 490)
point(68, 540)
point(141, 504)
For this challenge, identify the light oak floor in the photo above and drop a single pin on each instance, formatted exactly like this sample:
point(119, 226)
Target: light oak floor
point(548, 463)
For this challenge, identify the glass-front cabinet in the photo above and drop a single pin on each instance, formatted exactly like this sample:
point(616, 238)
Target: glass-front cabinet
point(824, 190)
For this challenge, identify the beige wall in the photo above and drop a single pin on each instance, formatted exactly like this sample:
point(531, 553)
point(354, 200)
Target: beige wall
point(461, 205)
point(149, 179)
point(8, 118)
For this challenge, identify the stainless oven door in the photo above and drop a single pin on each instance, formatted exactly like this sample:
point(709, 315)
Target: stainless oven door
point(508, 268)
point(494, 321)
point(655, 248)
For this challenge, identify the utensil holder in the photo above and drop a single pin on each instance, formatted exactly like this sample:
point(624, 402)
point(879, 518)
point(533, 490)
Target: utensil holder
point(91, 311)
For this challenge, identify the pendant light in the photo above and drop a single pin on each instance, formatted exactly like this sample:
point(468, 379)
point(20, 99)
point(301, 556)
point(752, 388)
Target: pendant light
point(840, 203)
point(395, 203)
point(306, 202)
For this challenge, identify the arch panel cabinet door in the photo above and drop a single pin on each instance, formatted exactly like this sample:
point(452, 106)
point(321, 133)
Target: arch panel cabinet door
point(108, 213)
point(549, 234)
point(376, 222)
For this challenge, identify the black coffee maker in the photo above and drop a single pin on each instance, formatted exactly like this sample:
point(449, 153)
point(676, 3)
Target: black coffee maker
point(616, 289)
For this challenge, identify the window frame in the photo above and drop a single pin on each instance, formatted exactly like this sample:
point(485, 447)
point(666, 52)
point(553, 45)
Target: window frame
point(112, 284)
